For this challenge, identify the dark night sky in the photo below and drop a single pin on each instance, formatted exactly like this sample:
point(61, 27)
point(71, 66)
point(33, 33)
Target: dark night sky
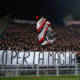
point(28, 9)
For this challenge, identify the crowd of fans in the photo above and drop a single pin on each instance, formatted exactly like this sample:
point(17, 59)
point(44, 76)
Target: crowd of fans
point(24, 37)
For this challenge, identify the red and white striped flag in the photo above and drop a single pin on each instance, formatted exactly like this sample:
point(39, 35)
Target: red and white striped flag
point(45, 33)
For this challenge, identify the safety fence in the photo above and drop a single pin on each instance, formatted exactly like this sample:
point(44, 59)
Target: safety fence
point(10, 71)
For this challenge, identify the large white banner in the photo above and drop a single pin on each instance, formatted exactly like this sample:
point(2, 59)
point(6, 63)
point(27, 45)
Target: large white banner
point(37, 58)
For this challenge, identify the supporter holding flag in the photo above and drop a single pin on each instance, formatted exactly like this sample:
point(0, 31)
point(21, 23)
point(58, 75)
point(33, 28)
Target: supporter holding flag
point(44, 30)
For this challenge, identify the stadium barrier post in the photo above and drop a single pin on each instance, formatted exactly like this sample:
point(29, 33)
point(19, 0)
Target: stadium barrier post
point(37, 70)
point(17, 71)
point(76, 67)
point(57, 71)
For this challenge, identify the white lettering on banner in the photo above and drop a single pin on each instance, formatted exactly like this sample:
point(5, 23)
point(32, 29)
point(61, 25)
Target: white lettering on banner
point(8, 57)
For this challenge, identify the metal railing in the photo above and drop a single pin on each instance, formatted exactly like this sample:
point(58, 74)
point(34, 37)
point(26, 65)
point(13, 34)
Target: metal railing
point(10, 71)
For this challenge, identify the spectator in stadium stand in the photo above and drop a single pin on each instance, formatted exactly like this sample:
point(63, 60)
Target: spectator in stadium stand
point(24, 38)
